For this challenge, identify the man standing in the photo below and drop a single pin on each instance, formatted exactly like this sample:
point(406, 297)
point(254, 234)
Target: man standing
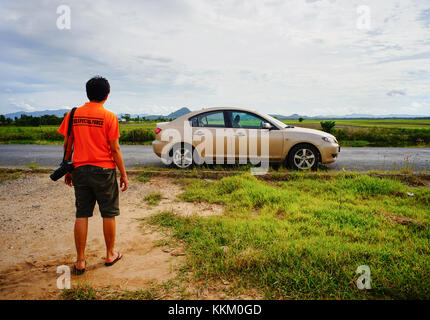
point(96, 154)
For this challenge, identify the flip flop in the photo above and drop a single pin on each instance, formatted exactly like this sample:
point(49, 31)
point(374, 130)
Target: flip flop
point(77, 271)
point(119, 256)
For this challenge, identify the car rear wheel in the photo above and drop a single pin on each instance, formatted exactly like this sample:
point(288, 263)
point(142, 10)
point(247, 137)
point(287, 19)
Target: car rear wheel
point(182, 156)
point(303, 157)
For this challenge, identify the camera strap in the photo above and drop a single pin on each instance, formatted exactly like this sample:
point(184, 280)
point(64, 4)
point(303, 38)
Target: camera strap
point(69, 131)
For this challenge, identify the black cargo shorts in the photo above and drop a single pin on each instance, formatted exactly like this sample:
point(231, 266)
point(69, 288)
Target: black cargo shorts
point(93, 184)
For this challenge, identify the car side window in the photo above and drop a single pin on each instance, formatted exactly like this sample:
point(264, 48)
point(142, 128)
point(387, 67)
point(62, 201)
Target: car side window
point(194, 122)
point(210, 119)
point(246, 120)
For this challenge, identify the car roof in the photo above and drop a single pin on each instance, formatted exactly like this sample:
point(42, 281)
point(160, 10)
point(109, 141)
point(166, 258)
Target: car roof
point(189, 115)
point(193, 113)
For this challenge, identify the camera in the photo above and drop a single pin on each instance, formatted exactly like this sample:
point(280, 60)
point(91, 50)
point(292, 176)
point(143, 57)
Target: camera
point(65, 166)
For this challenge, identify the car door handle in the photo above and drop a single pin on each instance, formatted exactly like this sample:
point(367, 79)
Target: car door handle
point(199, 133)
point(240, 134)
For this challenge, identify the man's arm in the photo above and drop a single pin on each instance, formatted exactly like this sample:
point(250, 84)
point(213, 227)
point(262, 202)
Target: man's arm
point(67, 148)
point(117, 157)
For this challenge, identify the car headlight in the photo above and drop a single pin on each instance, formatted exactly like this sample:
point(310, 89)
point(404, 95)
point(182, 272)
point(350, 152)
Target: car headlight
point(329, 140)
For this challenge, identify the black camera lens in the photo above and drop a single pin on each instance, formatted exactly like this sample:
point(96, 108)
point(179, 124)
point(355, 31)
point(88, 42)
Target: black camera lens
point(65, 166)
point(57, 174)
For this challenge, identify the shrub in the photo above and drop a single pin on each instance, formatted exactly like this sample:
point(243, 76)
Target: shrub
point(328, 125)
point(11, 133)
point(383, 137)
point(137, 135)
point(51, 135)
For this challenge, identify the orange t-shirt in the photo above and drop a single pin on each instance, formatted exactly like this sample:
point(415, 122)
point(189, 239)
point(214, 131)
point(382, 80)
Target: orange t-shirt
point(93, 128)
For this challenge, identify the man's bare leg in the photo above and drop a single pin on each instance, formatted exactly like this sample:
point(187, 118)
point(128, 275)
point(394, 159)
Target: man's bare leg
point(109, 228)
point(81, 231)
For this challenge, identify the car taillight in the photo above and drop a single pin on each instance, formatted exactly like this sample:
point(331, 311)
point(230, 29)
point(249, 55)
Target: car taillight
point(157, 130)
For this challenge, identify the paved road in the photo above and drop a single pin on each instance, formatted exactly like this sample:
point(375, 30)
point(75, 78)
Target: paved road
point(360, 159)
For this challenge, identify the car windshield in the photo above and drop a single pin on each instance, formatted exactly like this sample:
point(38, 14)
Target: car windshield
point(275, 121)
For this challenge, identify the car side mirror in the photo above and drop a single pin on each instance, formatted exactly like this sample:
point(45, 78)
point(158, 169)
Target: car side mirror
point(267, 125)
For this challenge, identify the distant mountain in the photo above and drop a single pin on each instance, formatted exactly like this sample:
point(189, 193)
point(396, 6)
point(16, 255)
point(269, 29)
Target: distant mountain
point(176, 114)
point(349, 116)
point(179, 113)
point(292, 117)
point(59, 113)
point(358, 115)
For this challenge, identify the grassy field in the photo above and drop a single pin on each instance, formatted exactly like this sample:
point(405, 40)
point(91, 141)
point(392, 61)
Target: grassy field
point(356, 133)
point(370, 123)
point(130, 134)
point(376, 133)
point(305, 238)
point(300, 238)
point(9, 174)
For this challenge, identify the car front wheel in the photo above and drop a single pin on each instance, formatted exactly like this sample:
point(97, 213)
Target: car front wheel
point(303, 157)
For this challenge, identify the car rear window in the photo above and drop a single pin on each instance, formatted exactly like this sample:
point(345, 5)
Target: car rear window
point(210, 119)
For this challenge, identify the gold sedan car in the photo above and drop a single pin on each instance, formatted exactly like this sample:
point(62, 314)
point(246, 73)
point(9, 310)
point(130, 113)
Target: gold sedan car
point(231, 135)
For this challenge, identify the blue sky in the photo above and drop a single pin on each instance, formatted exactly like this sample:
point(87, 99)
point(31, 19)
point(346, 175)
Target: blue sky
point(300, 56)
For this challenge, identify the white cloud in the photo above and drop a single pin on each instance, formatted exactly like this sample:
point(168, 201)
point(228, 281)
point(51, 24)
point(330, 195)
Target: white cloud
point(394, 93)
point(27, 107)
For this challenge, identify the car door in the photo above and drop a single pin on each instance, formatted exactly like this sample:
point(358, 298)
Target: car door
point(260, 143)
point(208, 137)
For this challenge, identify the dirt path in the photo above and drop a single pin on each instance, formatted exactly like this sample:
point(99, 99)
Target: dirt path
point(36, 236)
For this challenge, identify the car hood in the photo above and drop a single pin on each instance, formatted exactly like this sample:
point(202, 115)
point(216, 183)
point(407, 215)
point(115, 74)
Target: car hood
point(308, 131)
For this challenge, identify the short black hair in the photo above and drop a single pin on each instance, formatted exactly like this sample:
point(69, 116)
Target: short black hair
point(98, 88)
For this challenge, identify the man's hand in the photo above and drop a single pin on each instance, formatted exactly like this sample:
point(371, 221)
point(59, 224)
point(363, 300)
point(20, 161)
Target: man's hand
point(117, 157)
point(123, 183)
point(68, 179)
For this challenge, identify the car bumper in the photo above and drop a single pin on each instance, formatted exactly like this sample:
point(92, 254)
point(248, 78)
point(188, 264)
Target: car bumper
point(157, 146)
point(329, 153)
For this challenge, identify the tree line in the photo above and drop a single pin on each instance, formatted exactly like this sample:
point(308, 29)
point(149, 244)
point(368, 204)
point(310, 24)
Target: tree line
point(128, 118)
point(31, 121)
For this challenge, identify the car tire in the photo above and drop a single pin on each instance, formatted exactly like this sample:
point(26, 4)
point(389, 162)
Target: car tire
point(182, 156)
point(303, 157)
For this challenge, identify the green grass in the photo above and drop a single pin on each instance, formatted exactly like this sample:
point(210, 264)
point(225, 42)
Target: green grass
point(376, 133)
point(33, 166)
point(296, 239)
point(382, 137)
point(88, 292)
point(136, 135)
point(368, 123)
point(129, 134)
point(350, 133)
point(144, 177)
point(354, 143)
point(30, 134)
point(153, 199)
point(9, 174)
point(82, 292)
